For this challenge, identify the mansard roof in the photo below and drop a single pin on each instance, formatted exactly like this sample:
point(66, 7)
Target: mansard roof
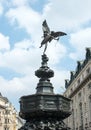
point(80, 66)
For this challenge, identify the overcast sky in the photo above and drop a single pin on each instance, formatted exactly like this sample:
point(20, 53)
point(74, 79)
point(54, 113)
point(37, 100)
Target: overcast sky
point(21, 35)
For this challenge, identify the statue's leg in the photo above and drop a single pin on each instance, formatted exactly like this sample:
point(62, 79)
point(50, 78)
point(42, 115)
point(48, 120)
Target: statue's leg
point(45, 48)
point(40, 46)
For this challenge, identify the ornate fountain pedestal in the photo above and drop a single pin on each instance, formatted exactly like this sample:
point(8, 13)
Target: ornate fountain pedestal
point(44, 110)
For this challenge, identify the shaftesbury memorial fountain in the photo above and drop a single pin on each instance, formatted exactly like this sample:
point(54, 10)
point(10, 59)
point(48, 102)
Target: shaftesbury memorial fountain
point(45, 110)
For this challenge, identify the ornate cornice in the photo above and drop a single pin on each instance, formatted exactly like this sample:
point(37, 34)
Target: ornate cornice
point(81, 85)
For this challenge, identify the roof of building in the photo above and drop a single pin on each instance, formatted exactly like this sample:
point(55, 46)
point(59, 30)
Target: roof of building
point(80, 66)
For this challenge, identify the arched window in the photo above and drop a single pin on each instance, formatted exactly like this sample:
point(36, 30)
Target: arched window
point(81, 115)
point(90, 107)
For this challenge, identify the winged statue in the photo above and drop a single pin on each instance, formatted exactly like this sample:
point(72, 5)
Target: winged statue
point(49, 35)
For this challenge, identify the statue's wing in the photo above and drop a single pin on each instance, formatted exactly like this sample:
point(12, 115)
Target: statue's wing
point(58, 34)
point(45, 27)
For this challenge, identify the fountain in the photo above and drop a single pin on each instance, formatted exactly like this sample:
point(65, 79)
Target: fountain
point(44, 110)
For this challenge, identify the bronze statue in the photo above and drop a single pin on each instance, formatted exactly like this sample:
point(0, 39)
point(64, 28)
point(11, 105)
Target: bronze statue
point(49, 35)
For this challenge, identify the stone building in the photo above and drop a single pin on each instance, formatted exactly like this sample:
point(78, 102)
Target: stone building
point(9, 119)
point(78, 88)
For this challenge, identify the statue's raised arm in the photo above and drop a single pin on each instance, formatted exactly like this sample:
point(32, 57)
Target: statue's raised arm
point(48, 35)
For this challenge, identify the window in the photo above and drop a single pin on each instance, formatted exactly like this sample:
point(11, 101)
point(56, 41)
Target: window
point(90, 107)
point(65, 95)
point(76, 114)
point(79, 95)
point(6, 120)
point(6, 128)
point(89, 86)
point(88, 70)
point(7, 112)
point(84, 91)
point(73, 119)
point(89, 124)
point(78, 81)
point(86, 120)
point(77, 126)
point(81, 115)
point(71, 90)
point(82, 76)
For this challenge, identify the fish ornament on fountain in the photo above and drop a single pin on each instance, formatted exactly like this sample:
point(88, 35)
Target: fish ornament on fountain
point(45, 110)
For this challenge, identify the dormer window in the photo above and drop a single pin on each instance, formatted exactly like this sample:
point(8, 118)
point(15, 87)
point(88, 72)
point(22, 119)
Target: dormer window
point(71, 90)
point(88, 70)
point(78, 81)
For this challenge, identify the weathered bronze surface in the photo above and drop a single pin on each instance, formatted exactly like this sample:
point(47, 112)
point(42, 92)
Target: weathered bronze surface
point(44, 110)
point(45, 124)
point(49, 35)
point(44, 105)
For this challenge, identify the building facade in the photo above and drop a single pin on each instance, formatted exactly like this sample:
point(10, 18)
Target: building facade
point(9, 119)
point(78, 88)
